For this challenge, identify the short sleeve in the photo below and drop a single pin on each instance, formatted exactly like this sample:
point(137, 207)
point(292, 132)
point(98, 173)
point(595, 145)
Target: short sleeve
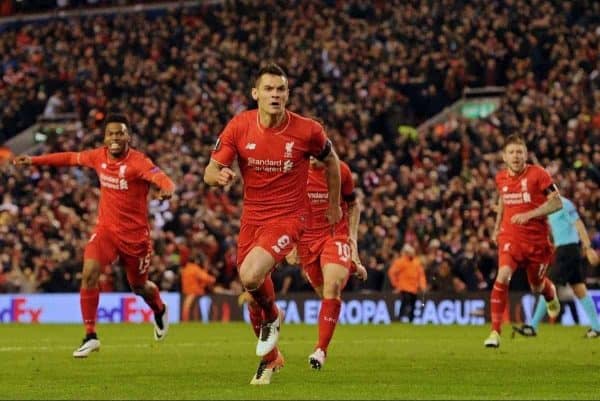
point(146, 168)
point(318, 140)
point(148, 171)
point(570, 210)
point(225, 149)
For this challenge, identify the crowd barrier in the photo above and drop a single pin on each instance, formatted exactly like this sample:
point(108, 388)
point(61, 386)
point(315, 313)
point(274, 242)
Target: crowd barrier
point(357, 308)
point(64, 308)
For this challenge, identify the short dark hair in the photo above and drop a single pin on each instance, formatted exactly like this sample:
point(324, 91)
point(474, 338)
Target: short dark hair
point(116, 118)
point(514, 139)
point(272, 69)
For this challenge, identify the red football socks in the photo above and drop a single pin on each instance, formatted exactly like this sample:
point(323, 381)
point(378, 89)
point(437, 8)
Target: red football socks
point(264, 296)
point(328, 317)
point(548, 290)
point(153, 299)
point(256, 316)
point(498, 304)
point(88, 300)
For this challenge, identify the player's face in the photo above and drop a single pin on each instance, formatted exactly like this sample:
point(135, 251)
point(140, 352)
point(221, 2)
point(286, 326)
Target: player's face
point(514, 156)
point(271, 93)
point(116, 138)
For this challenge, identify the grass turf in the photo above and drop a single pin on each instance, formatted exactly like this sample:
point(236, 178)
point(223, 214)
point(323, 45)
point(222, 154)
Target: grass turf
point(217, 361)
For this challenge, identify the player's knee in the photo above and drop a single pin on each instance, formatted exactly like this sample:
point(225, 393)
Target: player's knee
point(90, 275)
point(333, 288)
point(138, 289)
point(504, 274)
point(251, 279)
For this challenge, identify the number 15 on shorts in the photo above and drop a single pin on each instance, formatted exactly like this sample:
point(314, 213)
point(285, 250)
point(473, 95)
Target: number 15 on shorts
point(144, 263)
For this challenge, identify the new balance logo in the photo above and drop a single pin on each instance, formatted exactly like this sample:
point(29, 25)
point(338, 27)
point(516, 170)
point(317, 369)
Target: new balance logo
point(251, 146)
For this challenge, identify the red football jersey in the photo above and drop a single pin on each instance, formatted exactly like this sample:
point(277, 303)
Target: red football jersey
point(273, 161)
point(318, 196)
point(522, 193)
point(124, 186)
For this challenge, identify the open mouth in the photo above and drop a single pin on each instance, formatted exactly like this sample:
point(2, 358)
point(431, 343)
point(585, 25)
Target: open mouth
point(115, 146)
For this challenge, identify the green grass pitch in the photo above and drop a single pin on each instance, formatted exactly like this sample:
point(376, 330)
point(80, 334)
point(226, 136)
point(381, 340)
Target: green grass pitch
point(216, 361)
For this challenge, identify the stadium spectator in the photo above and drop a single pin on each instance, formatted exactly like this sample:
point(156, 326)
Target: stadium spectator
point(407, 277)
point(195, 282)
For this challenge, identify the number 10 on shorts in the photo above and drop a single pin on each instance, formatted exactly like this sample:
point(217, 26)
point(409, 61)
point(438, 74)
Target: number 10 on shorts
point(343, 250)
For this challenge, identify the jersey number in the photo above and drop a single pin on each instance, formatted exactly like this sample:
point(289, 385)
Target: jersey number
point(282, 242)
point(343, 251)
point(145, 263)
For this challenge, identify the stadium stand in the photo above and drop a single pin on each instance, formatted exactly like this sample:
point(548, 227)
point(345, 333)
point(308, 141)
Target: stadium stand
point(181, 74)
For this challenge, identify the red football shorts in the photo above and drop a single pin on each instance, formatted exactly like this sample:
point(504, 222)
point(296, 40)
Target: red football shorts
point(105, 247)
point(327, 250)
point(278, 237)
point(534, 258)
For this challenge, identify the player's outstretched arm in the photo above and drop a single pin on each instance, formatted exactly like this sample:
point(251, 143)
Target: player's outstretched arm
point(216, 174)
point(166, 185)
point(154, 175)
point(334, 185)
point(50, 159)
point(22, 161)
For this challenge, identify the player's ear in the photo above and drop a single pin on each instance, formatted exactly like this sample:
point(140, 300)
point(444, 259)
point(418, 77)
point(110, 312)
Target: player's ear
point(255, 94)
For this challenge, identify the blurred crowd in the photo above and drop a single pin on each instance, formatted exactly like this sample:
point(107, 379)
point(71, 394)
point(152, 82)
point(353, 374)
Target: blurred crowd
point(364, 69)
point(19, 7)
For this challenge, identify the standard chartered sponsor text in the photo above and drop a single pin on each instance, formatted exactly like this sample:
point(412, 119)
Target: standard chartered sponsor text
point(269, 166)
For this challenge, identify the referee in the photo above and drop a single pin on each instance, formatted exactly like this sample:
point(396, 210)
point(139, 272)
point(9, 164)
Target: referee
point(572, 243)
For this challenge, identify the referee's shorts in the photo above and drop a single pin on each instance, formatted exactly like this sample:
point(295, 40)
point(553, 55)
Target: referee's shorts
point(569, 265)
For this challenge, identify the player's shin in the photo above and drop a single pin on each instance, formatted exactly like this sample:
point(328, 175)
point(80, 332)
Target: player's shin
point(328, 318)
point(590, 310)
point(256, 316)
point(149, 291)
point(539, 313)
point(498, 304)
point(264, 296)
point(548, 290)
point(88, 300)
